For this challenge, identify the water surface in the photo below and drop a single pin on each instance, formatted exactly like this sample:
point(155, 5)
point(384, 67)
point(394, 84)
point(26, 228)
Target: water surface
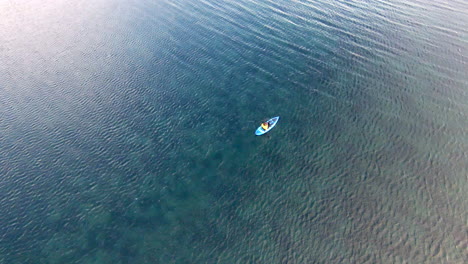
point(127, 131)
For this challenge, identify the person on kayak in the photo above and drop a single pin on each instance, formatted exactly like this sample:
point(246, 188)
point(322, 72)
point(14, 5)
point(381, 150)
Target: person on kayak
point(265, 125)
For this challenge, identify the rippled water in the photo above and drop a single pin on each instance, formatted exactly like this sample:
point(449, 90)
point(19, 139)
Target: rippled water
point(127, 131)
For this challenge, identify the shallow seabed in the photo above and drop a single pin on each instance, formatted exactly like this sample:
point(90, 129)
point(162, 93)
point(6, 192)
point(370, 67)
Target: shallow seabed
point(127, 131)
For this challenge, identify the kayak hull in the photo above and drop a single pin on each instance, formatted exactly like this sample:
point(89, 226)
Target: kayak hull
point(260, 131)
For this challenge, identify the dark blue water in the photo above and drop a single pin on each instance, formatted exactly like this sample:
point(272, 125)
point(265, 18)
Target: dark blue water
point(127, 131)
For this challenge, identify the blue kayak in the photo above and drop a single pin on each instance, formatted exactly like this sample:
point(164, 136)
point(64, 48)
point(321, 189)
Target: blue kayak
point(271, 124)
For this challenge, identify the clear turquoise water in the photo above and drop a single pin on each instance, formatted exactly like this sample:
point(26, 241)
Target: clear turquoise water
point(127, 131)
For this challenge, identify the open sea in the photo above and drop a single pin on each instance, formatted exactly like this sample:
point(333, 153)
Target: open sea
point(127, 131)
